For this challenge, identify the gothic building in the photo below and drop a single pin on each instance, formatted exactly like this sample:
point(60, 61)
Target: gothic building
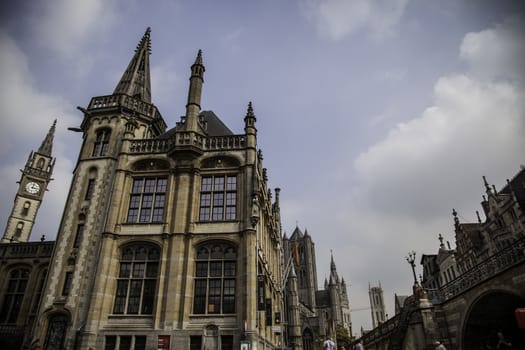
point(313, 314)
point(377, 305)
point(169, 237)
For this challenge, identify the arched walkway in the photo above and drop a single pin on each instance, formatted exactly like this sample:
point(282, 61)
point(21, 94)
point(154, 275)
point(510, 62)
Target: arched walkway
point(493, 313)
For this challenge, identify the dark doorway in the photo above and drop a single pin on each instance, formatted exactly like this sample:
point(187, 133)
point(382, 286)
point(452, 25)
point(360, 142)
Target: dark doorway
point(308, 339)
point(56, 332)
point(490, 315)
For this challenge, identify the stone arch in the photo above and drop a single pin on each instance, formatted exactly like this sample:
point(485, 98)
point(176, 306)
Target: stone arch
point(490, 313)
point(308, 339)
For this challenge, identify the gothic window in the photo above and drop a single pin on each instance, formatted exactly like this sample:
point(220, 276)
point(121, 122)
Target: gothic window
point(90, 189)
point(137, 280)
point(25, 208)
point(14, 295)
point(78, 236)
point(18, 230)
point(218, 199)
point(147, 200)
point(38, 294)
point(215, 273)
point(101, 144)
point(40, 163)
point(56, 332)
point(67, 283)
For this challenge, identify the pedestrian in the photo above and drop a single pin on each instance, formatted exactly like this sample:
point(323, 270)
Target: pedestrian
point(359, 346)
point(329, 344)
point(439, 346)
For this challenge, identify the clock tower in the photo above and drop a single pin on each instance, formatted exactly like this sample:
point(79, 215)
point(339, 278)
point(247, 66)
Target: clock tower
point(36, 175)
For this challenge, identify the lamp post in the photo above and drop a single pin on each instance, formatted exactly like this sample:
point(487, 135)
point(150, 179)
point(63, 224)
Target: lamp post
point(411, 258)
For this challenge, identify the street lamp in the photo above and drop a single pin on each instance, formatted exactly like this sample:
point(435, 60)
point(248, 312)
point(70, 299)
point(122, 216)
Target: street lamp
point(411, 258)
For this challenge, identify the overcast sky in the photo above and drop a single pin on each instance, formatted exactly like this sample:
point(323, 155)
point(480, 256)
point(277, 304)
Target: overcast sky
point(375, 117)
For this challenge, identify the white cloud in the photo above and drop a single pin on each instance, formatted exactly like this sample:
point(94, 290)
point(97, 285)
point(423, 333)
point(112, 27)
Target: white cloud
point(337, 19)
point(475, 128)
point(27, 114)
point(496, 53)
point(408, 183)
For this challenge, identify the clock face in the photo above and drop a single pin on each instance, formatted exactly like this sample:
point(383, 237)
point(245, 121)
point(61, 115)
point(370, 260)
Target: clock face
point(32, 187)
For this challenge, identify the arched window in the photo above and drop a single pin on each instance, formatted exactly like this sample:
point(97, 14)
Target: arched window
point(101, 145)
point(25, 208)
point(18, 230)
point(56, 332)
point(14, 295)
point(215, 273)
point(137, 280)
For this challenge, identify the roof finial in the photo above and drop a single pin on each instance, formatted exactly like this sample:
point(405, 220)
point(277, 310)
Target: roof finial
point(440, 237)
point(487, 187)
point(198, 59)
point(479, 218)
point(47, 145)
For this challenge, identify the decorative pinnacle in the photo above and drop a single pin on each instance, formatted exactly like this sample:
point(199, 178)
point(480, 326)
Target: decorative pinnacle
point(249, 112)
point(145, 41)
point(440, 237)
point(198, 60)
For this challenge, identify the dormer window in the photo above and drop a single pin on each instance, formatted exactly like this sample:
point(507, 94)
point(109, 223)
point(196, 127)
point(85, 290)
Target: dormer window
point(101, 144)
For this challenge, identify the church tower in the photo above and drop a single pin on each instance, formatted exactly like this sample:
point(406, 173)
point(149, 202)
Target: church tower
point(377, 305)
point(36, 175)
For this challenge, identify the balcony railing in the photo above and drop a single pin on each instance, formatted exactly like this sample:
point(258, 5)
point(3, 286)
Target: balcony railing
point(26, 249)
point(490, 267)
point(188, 138)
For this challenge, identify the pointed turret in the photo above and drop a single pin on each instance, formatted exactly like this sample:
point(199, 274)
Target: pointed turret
point(136, 80)
point(193, 107)
point(47, 145)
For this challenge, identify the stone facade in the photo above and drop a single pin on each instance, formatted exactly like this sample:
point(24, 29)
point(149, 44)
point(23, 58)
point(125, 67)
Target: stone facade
point(170, 237)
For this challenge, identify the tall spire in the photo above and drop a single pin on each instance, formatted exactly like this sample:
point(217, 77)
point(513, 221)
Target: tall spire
point(47, 145)
point(193, 107)
point(136, 80)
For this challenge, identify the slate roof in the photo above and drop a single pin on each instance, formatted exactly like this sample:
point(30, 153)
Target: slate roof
point(215, 126)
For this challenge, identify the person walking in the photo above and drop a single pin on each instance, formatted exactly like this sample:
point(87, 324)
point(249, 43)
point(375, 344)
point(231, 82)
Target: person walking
point(329, 344)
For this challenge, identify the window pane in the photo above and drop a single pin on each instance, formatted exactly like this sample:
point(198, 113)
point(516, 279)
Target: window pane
point(152, 269)
point(229, 268)
point(149, 297)
point(232, 183)
point(149, 186)
point(137, 185)
point(162, 185)
point(138, 269)
point(140, 342)
point(202, 269)
point(216, 268)
point(206, 184)
point(125, 342)
point(218, 184)
point(111, 342)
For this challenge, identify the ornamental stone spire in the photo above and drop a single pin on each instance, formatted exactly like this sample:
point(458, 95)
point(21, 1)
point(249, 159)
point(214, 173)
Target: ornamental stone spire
point(47, 145)
point(136, 79)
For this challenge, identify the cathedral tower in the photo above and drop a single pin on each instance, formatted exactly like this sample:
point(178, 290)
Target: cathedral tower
point(36, 175)
point(377, 305)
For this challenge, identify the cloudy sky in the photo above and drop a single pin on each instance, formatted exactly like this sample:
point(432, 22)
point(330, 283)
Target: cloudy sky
point(376, 117)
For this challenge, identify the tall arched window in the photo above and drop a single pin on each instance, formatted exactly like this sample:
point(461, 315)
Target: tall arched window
point(14, 295)
point(137, 280)
point(215, 273)
point(101, 145)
